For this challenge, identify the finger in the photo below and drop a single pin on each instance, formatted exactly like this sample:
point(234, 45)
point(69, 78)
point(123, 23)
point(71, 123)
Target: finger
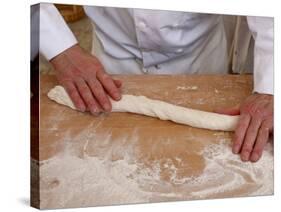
point(228, 111)
point(74, 95)
point(242, 126)
point(100, 94)
point(87, 96)
point(262, 139)
point(118, 83)
point(250, 138)
point(109, 85)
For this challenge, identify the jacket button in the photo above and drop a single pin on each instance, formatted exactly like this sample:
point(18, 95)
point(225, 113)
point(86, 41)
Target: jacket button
point(142, 25)
point(179, 50)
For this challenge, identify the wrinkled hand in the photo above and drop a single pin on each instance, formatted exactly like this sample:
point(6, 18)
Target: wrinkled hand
point(85, 80)
point(254, 126)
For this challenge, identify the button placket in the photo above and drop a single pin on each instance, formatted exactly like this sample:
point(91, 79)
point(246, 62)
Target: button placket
point(140, 62)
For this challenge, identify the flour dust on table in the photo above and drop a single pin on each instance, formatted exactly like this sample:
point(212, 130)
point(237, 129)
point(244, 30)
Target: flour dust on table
point(113, 174)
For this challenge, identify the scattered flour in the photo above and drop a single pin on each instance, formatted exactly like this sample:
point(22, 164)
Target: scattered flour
point(187, 88)
point(225, 167)
point(72, 179)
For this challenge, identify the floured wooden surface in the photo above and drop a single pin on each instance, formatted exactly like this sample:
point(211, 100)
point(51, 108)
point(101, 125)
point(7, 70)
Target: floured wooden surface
point(124, 158)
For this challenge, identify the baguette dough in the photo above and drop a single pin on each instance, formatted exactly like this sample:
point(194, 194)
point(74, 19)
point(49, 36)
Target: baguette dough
point(162, 110)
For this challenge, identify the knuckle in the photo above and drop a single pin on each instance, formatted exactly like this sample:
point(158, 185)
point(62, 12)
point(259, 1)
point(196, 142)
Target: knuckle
point(244, 118)
point(252, 131)
point(112, 89)
point(246, 109)
point(238, 136)
point(251, 110)
point(258, 150)
point(76, 72)
point(93, 80)
point(258, 112)
point(247, 148)
point(95, 85)
point(242, 125)
point(265, 129)
point(99, 93)
point(105, 76)
point(237, 143)
point(267, 123)
point(108, 81)
point(87, 97)
point(92, 104)
point(97, 64)
point(84, 90)
point(104, 101)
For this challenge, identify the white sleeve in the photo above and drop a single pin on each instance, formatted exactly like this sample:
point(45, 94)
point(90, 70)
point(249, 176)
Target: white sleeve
point(262, 31)
point(55, 36)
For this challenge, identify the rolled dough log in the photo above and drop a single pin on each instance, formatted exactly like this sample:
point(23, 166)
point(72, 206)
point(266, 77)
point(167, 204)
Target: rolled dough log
point(162, 110)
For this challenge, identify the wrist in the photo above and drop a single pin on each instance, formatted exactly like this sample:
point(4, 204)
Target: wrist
point(62, 59)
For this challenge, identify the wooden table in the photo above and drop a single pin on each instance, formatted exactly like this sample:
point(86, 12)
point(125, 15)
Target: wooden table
point(166, 156)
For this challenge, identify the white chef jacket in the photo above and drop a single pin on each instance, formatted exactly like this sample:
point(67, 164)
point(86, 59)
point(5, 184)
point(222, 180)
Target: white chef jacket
point(163, 41)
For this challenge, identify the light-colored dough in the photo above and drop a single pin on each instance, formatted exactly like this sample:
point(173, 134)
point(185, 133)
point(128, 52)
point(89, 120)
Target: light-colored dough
point(162, 110)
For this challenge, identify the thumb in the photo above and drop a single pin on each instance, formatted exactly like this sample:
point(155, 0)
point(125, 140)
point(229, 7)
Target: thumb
point(228, 111)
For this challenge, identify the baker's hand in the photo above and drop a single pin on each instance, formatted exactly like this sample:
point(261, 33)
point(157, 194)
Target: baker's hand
point(254, 126)
point(85, 80)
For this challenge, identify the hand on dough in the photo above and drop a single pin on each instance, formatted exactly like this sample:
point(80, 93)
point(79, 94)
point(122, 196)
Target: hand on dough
point(254, 126)
point(85, 80)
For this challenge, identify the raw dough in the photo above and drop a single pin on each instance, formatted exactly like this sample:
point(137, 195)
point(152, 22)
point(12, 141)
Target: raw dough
point(162, 110)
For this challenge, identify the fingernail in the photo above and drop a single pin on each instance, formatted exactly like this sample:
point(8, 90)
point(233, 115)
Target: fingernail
point(94, 110)
point(235, 149)
point(97, 114)
point(106, 107)
point(82, 108)
point(254, 157)
point(245, 157)
point(117, 95)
